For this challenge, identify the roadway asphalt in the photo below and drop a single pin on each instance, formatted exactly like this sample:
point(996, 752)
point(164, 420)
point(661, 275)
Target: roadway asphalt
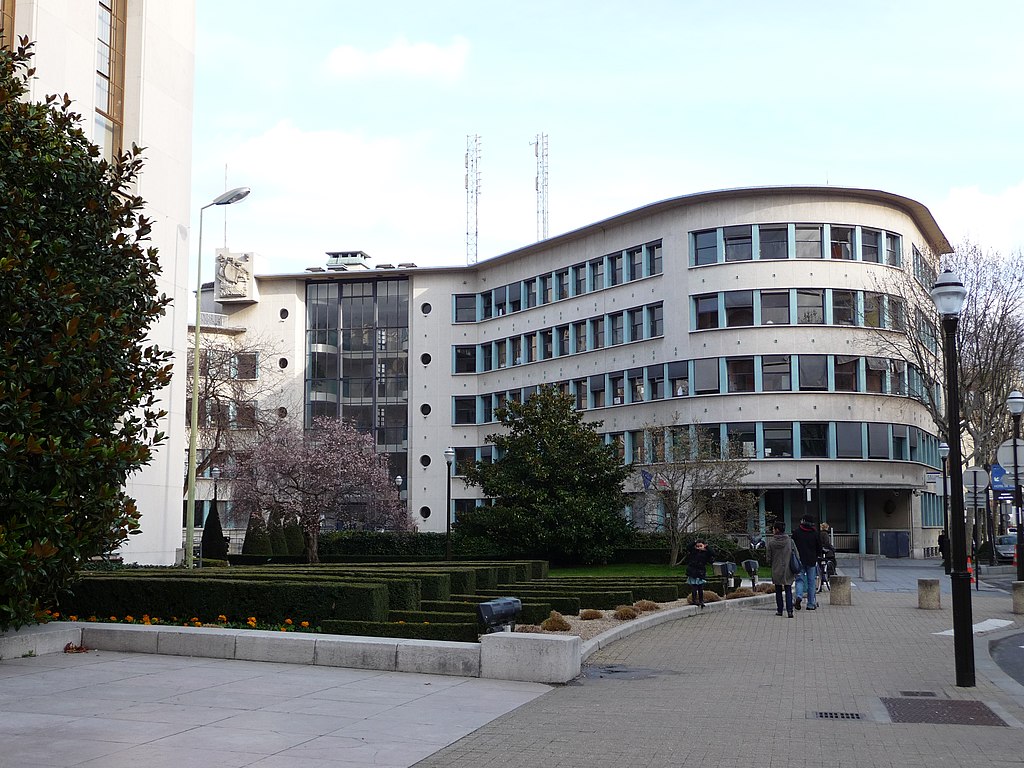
point(841, 686)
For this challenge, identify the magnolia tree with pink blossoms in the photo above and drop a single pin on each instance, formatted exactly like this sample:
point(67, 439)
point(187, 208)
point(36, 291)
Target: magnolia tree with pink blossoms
point(330, 473)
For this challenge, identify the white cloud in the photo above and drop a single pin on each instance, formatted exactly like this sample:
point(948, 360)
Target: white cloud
point(992, 220)
point(418, 60)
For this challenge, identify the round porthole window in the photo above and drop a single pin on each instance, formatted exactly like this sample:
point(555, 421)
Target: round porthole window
point(426, 308)
point(425, 460)
point(425, 409)
point(283, 362)
point(424, 512)
point(282, 412)
point(425, 358)
point(284, 314)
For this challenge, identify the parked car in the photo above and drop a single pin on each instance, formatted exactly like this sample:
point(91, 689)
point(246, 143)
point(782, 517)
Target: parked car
point(1004, 548)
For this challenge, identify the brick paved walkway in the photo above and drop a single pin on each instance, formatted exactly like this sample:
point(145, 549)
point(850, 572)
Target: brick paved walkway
point(739, 689)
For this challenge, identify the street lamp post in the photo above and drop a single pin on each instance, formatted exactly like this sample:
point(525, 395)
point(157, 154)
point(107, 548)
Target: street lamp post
point(232, 196)
point(944, 455)
point(949, 294)
point(805, 483)
point(449, 457)
point(1015, 404)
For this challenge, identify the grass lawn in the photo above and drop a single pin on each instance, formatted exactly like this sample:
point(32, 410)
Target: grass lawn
point(637, 569)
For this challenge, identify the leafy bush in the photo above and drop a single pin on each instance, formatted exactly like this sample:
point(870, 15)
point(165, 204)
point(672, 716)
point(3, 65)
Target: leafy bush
point(213, 546)
point(257, 540)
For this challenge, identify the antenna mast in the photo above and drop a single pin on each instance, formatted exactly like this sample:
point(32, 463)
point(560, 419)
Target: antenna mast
point(472, 196)
point(540, 150)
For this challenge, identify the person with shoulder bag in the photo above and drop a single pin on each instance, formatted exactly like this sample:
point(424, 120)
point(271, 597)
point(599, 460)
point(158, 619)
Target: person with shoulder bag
point(780, 555)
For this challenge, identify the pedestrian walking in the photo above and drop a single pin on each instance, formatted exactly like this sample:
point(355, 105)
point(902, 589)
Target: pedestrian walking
point(697, 562)
point(780, 552)
point(944, 549)
point(808, 547)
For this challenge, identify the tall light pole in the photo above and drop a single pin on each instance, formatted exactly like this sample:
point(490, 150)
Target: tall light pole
point(229, 197)
point(949, 294)
point(944, 455)
point(1015, 404)
point(805, 483)
point(449, 457)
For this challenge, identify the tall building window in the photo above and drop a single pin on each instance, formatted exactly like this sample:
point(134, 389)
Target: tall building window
point(465, 359)
point(465, 410)
point(846, 370)
point(843, 303)
point(813, 440)
point(849, 440)
point(679, 378)
point(617, 328)
point(465, 308)
point(634, 259)
point(740, 371)
point(654, 258)
point(656, 381)
point(773, 242)
point(655, 321)
point(776, 374)
point(842, 242)
point(873, 310)
point(778, 440)
point(110, 77)
point(738, 244)
point(7, 40)
point(597, 328)
point(892, 250)
point(813, 373)
point(739, 308)
point(706, 308)
point(869, 245)
point(810, 306)
point(579, 276)
point(597, 274)
point(705, 246)
point(615, 269)
point(808, 242)
point(705, 376)
point(774, 307)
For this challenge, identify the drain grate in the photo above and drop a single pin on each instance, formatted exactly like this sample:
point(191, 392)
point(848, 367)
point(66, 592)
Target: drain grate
point(838, 716)
point(941, 712)
point(918, 693)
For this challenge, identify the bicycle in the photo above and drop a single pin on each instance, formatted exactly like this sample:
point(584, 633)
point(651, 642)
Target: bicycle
point(826, 570)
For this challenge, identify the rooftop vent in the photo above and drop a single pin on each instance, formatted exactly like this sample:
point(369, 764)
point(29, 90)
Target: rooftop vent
point(345, 260)
point(406, 265)
point(385, 266)
point(314, 269)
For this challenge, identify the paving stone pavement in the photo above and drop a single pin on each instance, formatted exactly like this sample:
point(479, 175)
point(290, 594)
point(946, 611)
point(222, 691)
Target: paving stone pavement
point(737, 689)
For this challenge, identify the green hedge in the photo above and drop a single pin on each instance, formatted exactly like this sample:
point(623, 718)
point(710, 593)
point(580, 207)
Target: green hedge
point(588, 599)
point(532, 613)
point(268, 600)
point(465, 633)
point(569, 605)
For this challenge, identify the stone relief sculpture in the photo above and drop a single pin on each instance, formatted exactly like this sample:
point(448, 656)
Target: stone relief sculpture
point(233, 275)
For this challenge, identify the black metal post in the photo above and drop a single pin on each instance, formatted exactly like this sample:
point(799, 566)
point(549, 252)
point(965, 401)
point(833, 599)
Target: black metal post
point(817, 490)
point(448, 514)
point(945, 518)
point(1017, 498)
point(960, 580)
point(990, 518)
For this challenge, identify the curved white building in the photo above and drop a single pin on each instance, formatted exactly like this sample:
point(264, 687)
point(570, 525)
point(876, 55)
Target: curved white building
point(768, 315)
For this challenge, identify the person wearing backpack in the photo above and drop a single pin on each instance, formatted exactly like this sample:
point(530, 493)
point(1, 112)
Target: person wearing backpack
point(808, 547)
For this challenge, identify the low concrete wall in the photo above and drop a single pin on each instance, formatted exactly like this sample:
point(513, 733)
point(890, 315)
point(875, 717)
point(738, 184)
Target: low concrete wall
point(524, 656)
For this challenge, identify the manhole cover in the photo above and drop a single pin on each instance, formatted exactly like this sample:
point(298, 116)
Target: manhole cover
point(619, 672)
point(941, 712)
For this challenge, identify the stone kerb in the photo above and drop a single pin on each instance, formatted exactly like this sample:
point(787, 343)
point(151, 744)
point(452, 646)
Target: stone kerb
point(35, 641)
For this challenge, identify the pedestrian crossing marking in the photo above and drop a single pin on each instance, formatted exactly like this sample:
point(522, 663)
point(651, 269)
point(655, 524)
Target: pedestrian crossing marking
point(988, 625)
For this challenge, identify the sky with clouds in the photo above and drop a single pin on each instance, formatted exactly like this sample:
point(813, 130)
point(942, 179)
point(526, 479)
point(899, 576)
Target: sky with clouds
point(349, 120)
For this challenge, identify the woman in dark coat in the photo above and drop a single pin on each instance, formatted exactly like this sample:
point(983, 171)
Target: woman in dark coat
point(780, 550)
point(697, 562)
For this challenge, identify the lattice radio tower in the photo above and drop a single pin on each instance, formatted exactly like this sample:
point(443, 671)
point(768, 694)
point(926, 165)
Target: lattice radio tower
point(540, 150)
point(472, 196)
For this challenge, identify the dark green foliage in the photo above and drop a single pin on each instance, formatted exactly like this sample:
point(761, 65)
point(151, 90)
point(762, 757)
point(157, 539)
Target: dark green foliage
point(214, 547)
point(275, 531)
point(463, 633)
point(78, 381)
point(557, 487)
point(294, 539)
point(559, 602)
point(206, 598)
point(257, 539)
point(532, 613)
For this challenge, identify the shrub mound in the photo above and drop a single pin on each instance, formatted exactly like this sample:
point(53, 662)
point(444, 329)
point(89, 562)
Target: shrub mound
point(588, 614)
point(646, 605)
point(625, 613)
point(555, 623)
point(709, 597)
point(741, 592)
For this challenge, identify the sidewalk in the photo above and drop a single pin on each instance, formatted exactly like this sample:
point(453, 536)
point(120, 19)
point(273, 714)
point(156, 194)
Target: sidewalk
point(735, 688)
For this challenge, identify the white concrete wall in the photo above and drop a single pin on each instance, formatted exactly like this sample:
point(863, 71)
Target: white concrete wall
point(160, 44)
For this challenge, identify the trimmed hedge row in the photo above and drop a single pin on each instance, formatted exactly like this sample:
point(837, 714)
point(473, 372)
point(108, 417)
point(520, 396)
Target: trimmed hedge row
point(464, 632)
point(532, 613)
point(273, 601)
point(558, 602)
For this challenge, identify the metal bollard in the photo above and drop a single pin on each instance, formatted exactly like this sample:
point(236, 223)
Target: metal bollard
point(841, 593)
point(928, 594)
